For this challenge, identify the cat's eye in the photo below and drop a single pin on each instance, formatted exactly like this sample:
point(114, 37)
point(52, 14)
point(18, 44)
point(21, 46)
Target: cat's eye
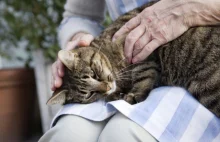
point(82, 92)
point(99, 79)
point(95, 76)
point(85, 76)
point(92, 92)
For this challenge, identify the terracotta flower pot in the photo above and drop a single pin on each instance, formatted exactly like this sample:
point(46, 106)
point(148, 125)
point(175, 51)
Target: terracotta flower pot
point(17, 93)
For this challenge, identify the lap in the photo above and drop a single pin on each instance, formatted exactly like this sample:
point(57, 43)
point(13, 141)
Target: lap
point(120, 129)
point(75, 128)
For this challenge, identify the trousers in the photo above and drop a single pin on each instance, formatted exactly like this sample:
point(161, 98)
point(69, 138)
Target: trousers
point(118, 128)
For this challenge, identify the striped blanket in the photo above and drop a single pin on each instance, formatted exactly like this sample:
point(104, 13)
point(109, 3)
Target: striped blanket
point(170, 114)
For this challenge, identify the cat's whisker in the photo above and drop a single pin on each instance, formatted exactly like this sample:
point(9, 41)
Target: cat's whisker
point(94, 44)
point(123, 76)
point(97, 46)
point(99, 49)
point(121, 73)
point(121, 60)
point(123, 79)
point(129, 66)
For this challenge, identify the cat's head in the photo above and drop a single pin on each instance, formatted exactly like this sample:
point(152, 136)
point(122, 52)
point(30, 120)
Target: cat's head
point(89, 75)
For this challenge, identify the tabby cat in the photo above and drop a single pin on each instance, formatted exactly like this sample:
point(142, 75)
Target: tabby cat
point(99, 71)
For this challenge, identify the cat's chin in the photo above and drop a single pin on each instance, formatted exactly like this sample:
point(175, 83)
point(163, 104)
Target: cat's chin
point(112, 89)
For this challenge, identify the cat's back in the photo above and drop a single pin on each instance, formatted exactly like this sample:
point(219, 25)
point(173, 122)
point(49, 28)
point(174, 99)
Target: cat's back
point(192, 61)
point(195, 54)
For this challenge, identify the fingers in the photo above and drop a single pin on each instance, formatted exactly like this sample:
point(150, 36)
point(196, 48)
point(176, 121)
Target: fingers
point(56, 80)
point(85, 40)
point(142, 42)
point(130, 40)
point(60, 68)
point(130, 25)
point(146, 51)
point(71, 45)
point(80, 39)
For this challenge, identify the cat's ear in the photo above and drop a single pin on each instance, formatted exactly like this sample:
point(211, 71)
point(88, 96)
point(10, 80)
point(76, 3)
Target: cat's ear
point(58, 97)
point(67, 58)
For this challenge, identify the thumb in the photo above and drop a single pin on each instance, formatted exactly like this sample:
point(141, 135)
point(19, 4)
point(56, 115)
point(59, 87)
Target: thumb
point(85, 40)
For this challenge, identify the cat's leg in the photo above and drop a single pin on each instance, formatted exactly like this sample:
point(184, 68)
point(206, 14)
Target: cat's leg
point(144, 77)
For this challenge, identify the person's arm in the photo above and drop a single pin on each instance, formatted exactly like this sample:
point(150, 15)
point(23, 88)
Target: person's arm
point(81, 16)
point(163, 22)
point(80, 24)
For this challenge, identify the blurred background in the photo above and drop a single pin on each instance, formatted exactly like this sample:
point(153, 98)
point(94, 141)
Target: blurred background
point(28, 47)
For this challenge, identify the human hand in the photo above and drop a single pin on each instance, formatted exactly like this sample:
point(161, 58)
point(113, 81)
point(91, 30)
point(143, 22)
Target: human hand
point(79, 39)
point(163, 22)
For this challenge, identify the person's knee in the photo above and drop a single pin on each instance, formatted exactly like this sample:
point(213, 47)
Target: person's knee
point(120, 128)
point(74, 128)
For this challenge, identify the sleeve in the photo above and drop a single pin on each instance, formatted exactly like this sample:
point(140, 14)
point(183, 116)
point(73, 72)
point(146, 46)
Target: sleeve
point(81, 16)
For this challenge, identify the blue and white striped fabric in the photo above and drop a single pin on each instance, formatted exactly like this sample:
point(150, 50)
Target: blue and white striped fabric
point(170, 114)
point(119, 7)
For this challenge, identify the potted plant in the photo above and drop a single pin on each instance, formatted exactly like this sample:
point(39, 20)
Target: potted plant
point(29, 26)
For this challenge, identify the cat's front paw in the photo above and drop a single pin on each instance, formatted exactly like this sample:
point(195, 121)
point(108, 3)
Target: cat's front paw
point(130, 98)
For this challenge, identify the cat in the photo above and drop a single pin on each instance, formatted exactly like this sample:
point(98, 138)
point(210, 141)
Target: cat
point(100, 71)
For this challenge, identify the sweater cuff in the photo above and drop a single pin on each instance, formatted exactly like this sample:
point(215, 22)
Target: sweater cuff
point(72, 25)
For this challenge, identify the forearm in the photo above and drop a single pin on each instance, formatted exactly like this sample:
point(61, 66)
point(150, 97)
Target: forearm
point(164, 21)
point(203, 13)
point(214, 12)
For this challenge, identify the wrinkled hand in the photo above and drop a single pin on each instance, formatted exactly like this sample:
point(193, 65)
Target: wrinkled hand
point(80, 39)
point(163, 22)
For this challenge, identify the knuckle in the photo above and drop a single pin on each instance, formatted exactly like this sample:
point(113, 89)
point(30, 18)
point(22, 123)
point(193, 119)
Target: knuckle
point(78, 35)
point(128, 25)
point(127, 55)
point(147, 10)
point(137, 45)
point(148, 49)
point(130, 38)
point(89, 36)
point(116, 35)
point(134, 20)
point(164, 36)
